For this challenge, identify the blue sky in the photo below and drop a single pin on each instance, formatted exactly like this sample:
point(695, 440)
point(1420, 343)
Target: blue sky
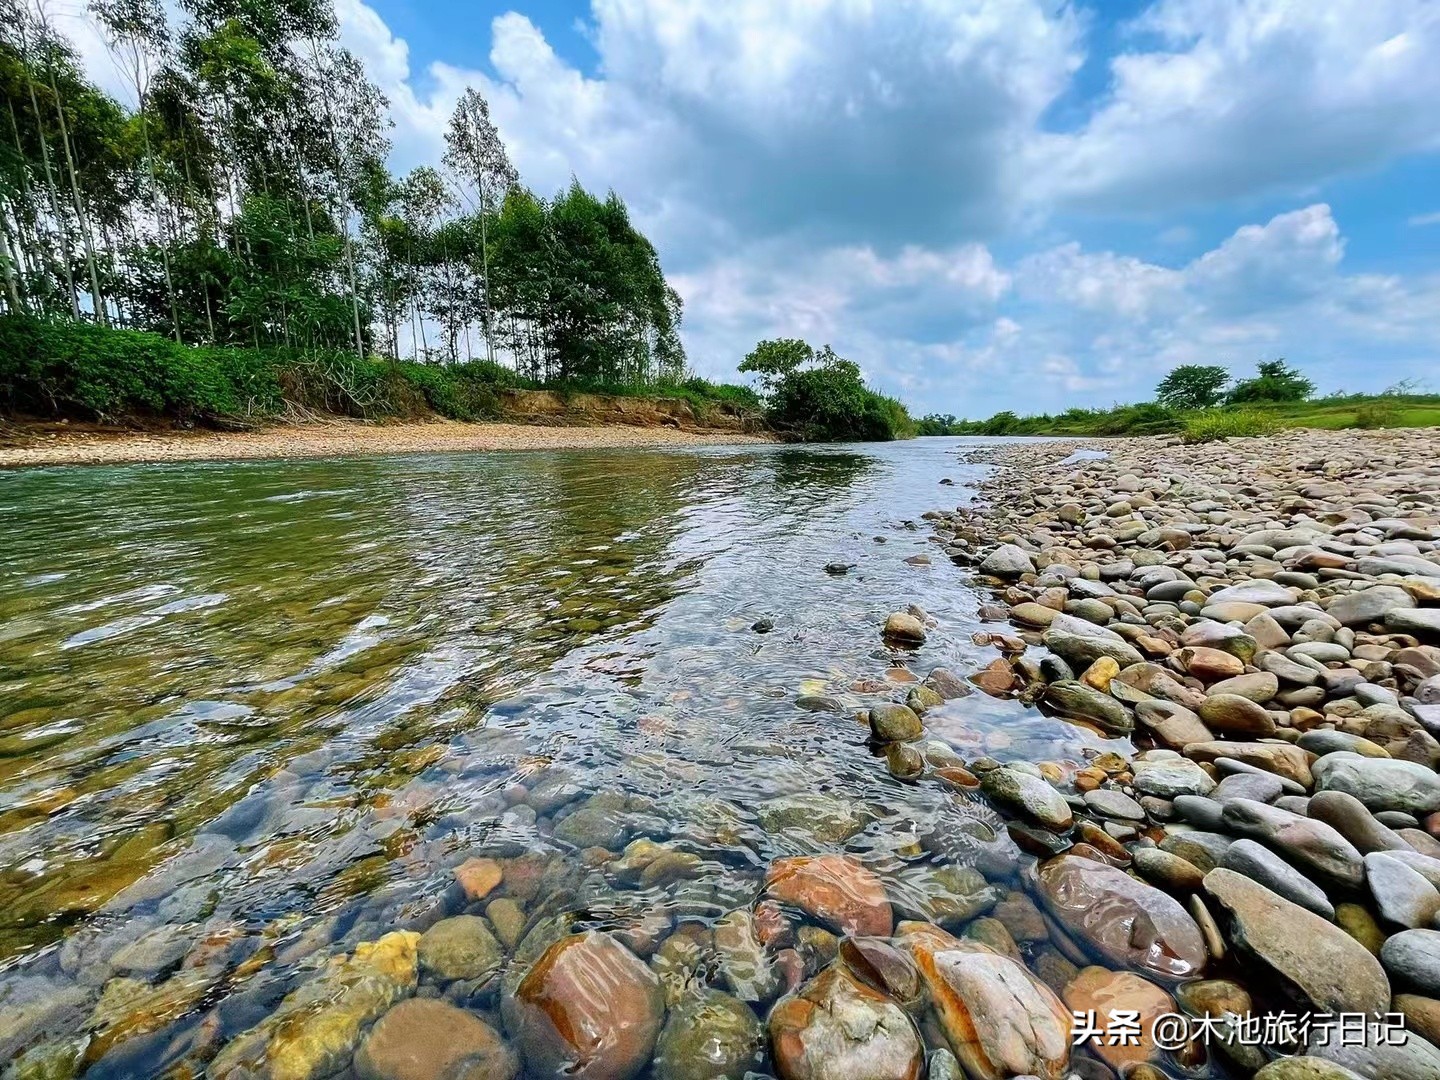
point(1025, 204)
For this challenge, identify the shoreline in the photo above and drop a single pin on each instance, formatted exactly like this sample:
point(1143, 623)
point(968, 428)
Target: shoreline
point(40, 445)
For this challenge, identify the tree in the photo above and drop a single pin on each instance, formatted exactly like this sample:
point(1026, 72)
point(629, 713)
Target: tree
point(1193, 386)
point(819, 396)
point(1276, 381)
point(474, 149)
point(774, 360)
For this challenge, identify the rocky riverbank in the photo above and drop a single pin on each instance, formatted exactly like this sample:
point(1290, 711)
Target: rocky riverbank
point(1245, 635)
point(1262, 618)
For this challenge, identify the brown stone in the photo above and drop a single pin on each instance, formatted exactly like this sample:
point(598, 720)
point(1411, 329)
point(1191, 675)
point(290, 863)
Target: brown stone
point(1123, 919)
point(425, 1039)
point(478, 877)
point(999, 1019)
point(835, 889)
point(1104, 992)
point(589, 1009)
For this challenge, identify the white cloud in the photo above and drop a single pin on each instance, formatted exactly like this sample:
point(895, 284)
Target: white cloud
point(1218, 99)
point(1432, 218)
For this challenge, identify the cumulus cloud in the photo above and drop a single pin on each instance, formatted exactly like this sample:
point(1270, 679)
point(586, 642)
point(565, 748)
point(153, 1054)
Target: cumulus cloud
point(1215, 99)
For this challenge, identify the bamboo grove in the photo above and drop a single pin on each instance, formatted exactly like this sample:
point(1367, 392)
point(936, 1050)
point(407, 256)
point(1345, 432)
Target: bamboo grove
point(242, 198)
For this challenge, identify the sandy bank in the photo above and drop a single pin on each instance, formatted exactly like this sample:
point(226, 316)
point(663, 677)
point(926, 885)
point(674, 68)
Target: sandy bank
point(61, 444)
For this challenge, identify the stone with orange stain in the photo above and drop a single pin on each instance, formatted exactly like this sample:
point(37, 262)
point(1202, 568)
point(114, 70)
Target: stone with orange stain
point(479, 877)
point(836, 1026)
point(999, 1019)
point(1106, 993)
point(835, 889)
point(589, 1009)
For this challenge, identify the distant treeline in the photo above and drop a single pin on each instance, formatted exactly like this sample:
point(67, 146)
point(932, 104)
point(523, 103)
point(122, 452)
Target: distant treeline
point(1200, 403)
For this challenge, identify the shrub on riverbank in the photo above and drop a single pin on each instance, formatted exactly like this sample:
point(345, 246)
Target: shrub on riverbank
point(817, 396)
point(65, 369)
point(1212, 424)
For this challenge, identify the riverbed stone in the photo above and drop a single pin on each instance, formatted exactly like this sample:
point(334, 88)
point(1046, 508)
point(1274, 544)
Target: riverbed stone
point(461, 947)
point(890, 722)
point(1170, 777)
point(1170, 872)
point(1304, 841)
point(834, 889)
point(1367, 606)
point(743, 964)
point(820, 817)
point(1079, 701)
point(1233, 714)
point(1000, 1020)
point(1172, 723)
point(425, 1039)
point(1008, 561)
point(1384, 1054)
point(1029, 795)
point(1402, 895)
point(1304, 1067)
point(836, 1026)
point(1424, 623)
point(1110, 993)
point(710, 1036)
point(1349, 817)
point(1380, 783)
point(1128, 922)
point(1283, 759)
point(1107, 802)
point(1324, 963)
point(1265, 593)
point(587, 1009)
point(1260, 864)
point(1413, 958)
point(1081, 650)
point(904, 628)
point(315, 1029)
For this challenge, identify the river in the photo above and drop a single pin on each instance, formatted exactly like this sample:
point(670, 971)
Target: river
point(266, 708)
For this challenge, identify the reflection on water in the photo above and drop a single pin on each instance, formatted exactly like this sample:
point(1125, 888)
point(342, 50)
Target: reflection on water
point(259, 712)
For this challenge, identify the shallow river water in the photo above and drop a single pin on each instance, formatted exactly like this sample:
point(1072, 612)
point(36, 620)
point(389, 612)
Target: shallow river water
point(252, 714)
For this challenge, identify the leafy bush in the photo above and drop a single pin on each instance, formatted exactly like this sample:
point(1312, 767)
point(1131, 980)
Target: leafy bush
point(1216, 424)
point(820, 397)
point(1381, 413)
point(1276, 381)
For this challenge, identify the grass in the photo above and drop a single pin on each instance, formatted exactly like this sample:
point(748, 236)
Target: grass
point(1213, 424)
point(1148, 418)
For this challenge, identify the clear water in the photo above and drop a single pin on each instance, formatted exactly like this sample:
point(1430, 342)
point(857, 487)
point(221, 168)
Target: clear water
point(275, 703)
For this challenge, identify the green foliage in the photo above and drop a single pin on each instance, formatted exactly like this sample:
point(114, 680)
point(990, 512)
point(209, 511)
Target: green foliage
point(820, 397)
point(1380, 413)
point(774, 360)
point(59, 367)
point(1276, 381)
point(244, 201)
point(1213, 424)
point(938, 424)
point(1192, 386)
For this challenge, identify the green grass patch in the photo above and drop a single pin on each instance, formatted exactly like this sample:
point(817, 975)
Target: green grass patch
point(1213, 424)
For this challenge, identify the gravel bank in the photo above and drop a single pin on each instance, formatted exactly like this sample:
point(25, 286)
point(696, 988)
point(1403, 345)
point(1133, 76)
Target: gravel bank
point(57, 446)
point(1261, 617)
